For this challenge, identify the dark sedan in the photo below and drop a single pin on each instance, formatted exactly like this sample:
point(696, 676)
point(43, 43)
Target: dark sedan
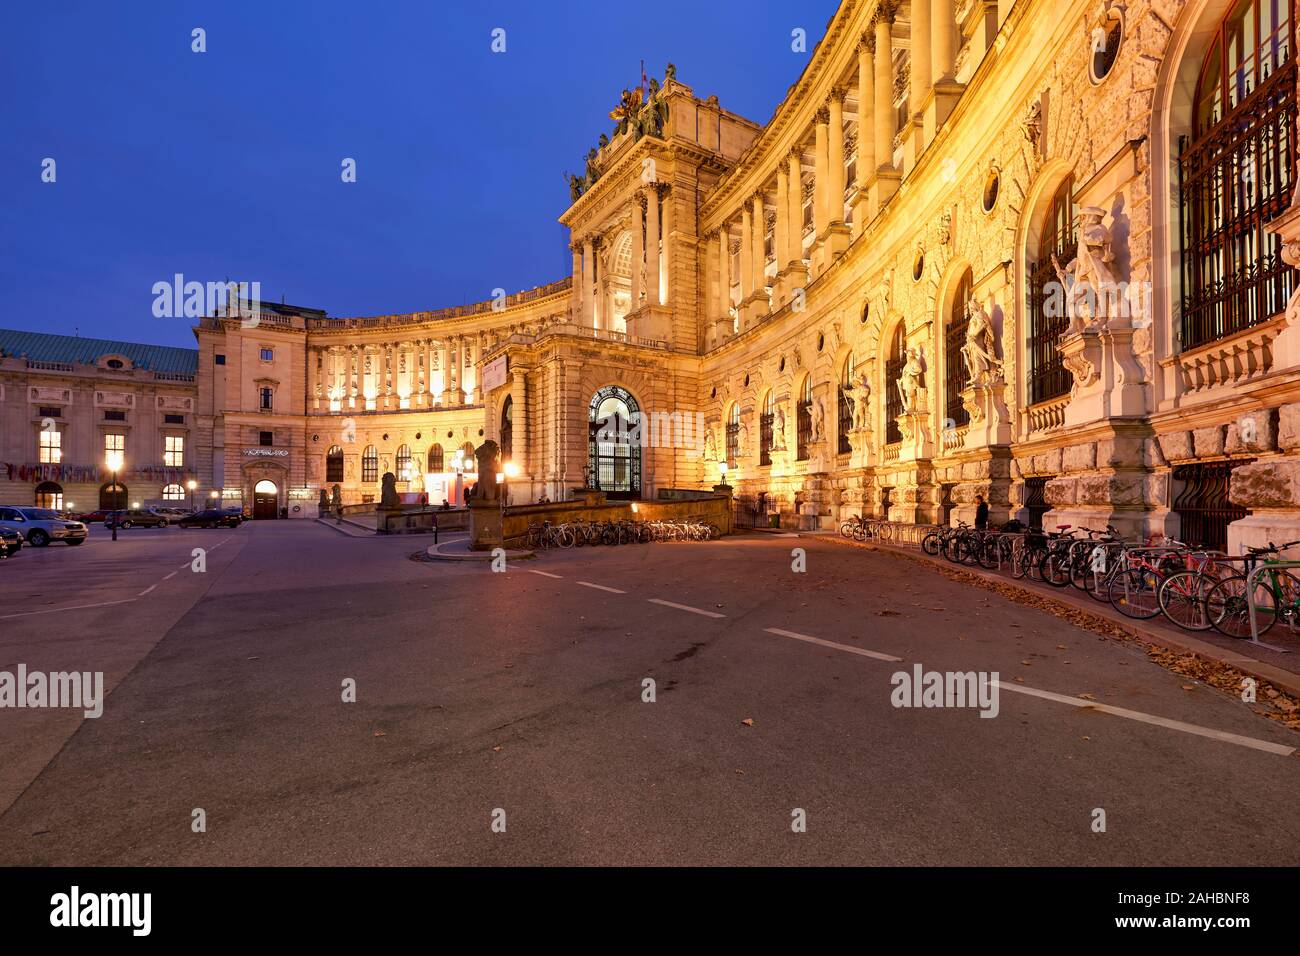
point(212, 518)
point(11, 542)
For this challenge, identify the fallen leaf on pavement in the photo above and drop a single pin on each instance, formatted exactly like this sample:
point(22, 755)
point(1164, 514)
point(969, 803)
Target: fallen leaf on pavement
point(748, 721)
point(1086, 696)
point(380, 733)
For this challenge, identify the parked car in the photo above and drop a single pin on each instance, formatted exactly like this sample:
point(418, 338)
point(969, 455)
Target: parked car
point(40, 526)
point(88, 516)
point(173, 515)
point(135, 517)
point(237, 513)
point(11, 542)
point(211, 518)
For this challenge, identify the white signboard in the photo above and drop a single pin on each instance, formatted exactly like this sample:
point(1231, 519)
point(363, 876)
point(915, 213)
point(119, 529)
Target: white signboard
point(494, 374)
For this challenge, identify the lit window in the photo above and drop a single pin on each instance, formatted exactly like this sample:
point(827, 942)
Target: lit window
point(174, 451)
point(370, 464)
point(173, 493)
point(51, 446)
point(115, 443)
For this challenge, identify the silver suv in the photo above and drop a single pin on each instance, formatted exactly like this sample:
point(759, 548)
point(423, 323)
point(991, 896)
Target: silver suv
point(40, 526)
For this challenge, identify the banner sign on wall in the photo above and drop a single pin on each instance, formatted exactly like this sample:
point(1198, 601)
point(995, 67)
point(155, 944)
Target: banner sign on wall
point(494, 373)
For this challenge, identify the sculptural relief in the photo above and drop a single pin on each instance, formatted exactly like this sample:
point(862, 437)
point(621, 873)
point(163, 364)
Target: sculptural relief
point(1089, 284)
point(979, 352)
point(859, 393)
point(911, 383)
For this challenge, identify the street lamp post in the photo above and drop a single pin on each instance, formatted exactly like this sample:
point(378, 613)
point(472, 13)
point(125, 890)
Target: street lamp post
point(191, 484)
point(113, 460)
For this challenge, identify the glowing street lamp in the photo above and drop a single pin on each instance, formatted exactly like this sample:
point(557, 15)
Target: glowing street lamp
point(113, 461)
point(191, 484)
point(512, 470)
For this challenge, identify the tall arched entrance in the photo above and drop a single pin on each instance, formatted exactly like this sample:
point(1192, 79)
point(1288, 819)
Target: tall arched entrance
point(266, 499)
point(614, 443)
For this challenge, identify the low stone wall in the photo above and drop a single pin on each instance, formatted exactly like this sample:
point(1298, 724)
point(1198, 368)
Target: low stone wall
point(714, 509)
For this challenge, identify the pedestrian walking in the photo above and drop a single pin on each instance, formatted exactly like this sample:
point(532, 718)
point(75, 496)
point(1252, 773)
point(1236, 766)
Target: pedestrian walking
point(981, 513)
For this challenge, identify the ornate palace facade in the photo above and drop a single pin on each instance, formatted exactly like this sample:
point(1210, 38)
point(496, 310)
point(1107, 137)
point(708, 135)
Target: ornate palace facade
point(1039, 251)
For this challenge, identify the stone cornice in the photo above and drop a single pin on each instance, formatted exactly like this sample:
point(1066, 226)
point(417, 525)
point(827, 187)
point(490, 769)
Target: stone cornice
point(850, 21)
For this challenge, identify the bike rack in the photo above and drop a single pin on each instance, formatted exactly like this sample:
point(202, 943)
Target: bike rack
point(1250, 599)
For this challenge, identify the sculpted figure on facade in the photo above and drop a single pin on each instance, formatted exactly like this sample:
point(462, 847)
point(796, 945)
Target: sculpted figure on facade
point(778, 428)
point(979, 352)
point(859, 394)
point(911, 381)
point(819, 421)
point(1089, 283)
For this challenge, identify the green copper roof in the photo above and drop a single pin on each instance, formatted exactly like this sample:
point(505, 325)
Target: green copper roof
point(42, 347)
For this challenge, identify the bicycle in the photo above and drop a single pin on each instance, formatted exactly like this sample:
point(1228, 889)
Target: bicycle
point(1276, 595)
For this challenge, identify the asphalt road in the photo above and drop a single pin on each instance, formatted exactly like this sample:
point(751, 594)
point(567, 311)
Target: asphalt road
point(522, 692)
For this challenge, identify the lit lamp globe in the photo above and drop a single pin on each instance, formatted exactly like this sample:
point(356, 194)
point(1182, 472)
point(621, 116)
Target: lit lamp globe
point(512, 470)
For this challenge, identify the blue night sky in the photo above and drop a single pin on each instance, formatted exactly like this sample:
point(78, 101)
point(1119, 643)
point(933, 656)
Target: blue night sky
point(227, 163)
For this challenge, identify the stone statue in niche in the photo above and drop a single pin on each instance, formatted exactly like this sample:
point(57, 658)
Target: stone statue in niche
point(1090, 287)
point(778, 428)
point(819, 421)
point(859, 393)
point(911, 382)
point(979, 352)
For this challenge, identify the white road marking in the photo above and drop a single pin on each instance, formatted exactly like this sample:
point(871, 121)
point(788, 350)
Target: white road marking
point(147, 590)
point(839, 647)
point(545, 574)
point(1223, 735)
point(601, 587)
point(685, 607)
point(75, 607)
point(172, 575)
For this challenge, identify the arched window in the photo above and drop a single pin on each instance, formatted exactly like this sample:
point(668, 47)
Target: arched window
point(893, 400)
point(403, 463)
point(507, 430)
point(803, 420)
point(369, 465)
point(956, 375)
point(173, 493)
point(435, 459)
point(765, 432)
point(733, 435)
point(468, 449)
point(334, 464)
point(1236, 172)
point(614, 451)
point(1048, 377)
point(49, 494)
point(844, 406)
point(112, 497)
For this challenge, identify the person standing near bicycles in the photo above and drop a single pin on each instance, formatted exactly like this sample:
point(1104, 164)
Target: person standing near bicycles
point(981, 514)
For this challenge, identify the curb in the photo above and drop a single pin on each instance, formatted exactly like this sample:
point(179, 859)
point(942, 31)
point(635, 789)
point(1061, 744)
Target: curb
point(435, 552)
point(1283, 680)
point(341, 529)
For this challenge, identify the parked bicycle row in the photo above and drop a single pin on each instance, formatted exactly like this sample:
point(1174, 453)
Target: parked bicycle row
point(571, 534)
point(1195, 588)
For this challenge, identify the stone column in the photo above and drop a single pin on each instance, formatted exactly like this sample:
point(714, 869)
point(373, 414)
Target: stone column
point(445, 361)
point(723, 313)
point(781, 239)
point(638, 249)
point(866, 131)
point(588, 294)
point(884, 109)
point(652, 246)
point(666, 258)
point(821, 169)
point(519, 423)
point(476, 356)
point(835, 143)
point(794, 253)
point(313, 379)
point(426, 346)
point(922, 53)
point(576, 296)
point(746, 267)
point(354, 375)
point(941, 41)
point(757, 257)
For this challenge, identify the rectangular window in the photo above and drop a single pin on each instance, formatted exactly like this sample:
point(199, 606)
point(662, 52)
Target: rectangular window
point(174, 419)
point(219, 359)
point(174, 451)
point(51, 412)
point(267, 355)
point(51, 446)
point(115, 443)
point(114, 416)
point(266, 439)
point(267, 395)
